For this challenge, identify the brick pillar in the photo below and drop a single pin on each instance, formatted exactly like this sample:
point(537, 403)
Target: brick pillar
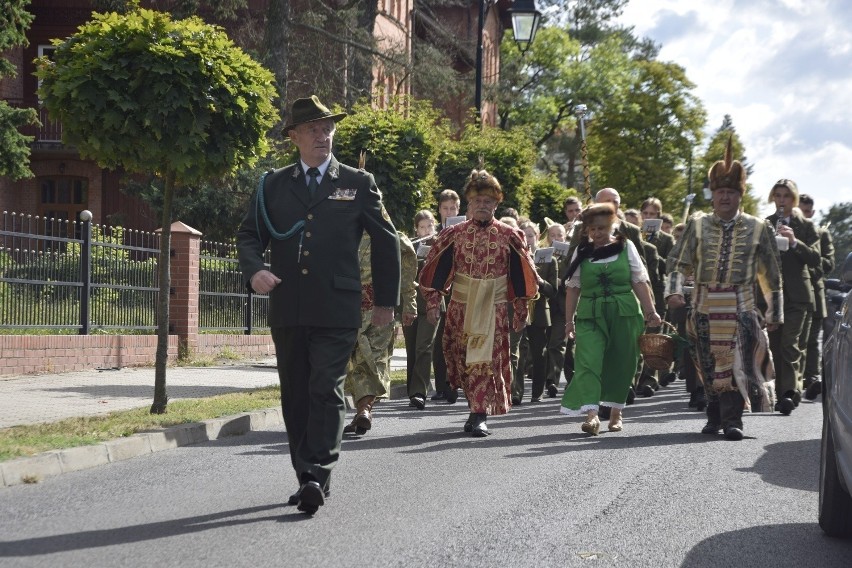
point(183, 309)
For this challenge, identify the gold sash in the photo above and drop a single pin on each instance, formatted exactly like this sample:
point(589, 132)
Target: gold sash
point(479, 297)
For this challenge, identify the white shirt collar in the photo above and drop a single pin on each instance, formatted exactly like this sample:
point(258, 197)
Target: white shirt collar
point(323, 167)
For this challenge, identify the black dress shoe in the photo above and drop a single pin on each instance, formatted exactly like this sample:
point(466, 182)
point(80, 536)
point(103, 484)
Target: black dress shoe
point(785, 406)
point(294, 498)
point(797, 398)
point(646, 391)
point(516, 401)
point(311, 497)
point(668, 379)
point(440, 395)
point(452, 396)
point(711, 428)
point(813, 390)
point(604, 412)
point(418, 401)
point(552, 391)
point(733, 434)
point(692, 397)
point(535, 399)
point(478, 427)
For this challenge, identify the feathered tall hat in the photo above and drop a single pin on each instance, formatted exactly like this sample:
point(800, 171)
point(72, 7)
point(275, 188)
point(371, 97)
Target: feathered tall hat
point(728, 172)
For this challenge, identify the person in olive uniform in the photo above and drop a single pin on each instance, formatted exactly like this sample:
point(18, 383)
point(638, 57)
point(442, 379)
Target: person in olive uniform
point(311, 215)
point(813, 354)
point(800, 255)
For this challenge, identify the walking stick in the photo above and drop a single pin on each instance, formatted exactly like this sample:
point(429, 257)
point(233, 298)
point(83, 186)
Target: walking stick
point(580, 111)
point(687, 204)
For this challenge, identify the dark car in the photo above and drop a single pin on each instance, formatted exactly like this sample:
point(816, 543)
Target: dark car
point(835, 472)
point(835, 293)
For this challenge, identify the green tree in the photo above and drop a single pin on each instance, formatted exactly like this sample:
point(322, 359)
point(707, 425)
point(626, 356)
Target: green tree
point(642, 140)
point(401, 146)
point(509, 155)
point(215, 207)
point(151, 94)
point(548, 197)
point(839, 222)
point(14, 146)
point(542, 89)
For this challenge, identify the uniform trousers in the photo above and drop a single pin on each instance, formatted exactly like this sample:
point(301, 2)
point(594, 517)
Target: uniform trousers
point(368, 372)
point(419, 343)
point(312, 368)
point(536, 353)
point(813, 353)
point(788, 344)
point(560, 351)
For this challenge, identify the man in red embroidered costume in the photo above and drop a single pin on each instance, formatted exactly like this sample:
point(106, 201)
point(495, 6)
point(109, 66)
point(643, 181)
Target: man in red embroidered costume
point(487, 263)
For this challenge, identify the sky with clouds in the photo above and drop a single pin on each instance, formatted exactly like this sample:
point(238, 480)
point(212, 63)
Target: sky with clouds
point(781, 68)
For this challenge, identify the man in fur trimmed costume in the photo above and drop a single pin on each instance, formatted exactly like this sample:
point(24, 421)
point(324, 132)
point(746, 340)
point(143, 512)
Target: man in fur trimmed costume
point(727, 252)
point(488, 265)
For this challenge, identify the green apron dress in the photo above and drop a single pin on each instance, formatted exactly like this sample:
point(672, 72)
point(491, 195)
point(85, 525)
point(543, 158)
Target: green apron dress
point(608, 323)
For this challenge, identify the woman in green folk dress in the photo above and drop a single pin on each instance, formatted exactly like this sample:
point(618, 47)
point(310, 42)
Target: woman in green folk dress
point(607, 293)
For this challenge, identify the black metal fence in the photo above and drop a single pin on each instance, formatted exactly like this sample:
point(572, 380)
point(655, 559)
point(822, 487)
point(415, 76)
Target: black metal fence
point(224, 303)
point(59, 276)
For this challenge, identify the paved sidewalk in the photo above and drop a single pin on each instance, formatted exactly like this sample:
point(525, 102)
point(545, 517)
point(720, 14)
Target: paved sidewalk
point(48, 398)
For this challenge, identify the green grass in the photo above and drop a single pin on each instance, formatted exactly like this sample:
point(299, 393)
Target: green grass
point(28, 440)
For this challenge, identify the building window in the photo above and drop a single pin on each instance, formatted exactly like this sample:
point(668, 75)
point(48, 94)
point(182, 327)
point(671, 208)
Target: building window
point(62, 198)
point(47, 50)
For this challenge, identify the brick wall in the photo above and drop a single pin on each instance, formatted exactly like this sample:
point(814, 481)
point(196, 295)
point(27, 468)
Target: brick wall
point(39, 354)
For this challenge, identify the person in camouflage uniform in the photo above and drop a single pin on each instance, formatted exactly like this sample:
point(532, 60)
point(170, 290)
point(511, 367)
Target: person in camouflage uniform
point(368, 372)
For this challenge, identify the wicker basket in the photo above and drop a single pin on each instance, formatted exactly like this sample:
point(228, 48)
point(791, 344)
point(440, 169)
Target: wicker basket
point(658, 348)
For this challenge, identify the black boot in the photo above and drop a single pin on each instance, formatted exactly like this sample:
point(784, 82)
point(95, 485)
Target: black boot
point(700, 399)
point(478, 427)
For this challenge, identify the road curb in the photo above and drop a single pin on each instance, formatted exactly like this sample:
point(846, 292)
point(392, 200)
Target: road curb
point(56, 462)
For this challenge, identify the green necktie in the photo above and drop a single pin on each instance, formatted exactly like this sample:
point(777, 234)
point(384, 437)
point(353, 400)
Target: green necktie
point(313, 174)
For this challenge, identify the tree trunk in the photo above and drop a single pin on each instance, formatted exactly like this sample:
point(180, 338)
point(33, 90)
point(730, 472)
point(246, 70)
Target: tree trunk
point(164, 266)
point(360, 63)
point(277, 48)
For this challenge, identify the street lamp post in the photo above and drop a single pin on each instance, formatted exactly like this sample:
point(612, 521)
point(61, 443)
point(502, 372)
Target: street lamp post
point(525, 20)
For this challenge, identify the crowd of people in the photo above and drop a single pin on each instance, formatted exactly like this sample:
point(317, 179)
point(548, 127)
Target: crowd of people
point(488, 300)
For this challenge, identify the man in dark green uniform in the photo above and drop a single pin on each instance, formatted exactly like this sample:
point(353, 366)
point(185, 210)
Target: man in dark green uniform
point(312, 215)
point(813, 355)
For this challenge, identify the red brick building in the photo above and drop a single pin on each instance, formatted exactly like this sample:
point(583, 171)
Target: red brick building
point(64, 184)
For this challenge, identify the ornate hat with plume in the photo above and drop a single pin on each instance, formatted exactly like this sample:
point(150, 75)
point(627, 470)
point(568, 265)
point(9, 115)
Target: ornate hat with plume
point(728, 172)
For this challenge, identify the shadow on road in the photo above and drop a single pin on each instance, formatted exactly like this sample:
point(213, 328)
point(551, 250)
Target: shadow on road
point(38, 546)
point(767, 547)
point(781, 465)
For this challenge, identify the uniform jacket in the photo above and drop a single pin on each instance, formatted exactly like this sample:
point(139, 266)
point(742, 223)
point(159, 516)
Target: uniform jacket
point(547, 289)
point(664, 243)
point(826, 251)
point(318, 265)
point(797, 261)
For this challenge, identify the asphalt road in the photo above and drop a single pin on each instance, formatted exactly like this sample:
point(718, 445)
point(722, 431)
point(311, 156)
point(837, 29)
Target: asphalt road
point(416, 491)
